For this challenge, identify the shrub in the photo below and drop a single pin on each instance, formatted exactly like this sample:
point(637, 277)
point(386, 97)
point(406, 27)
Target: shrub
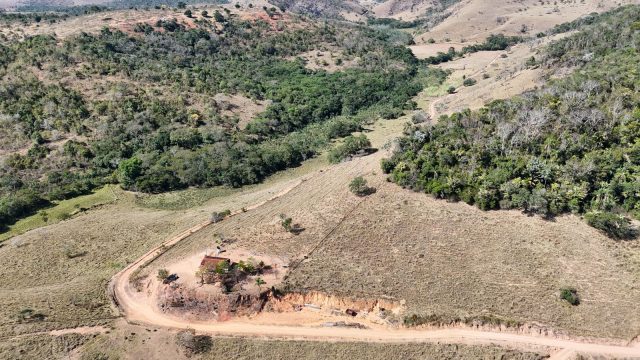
point(71, 251)
point(194, 344)
point(451, 90)
point(615, 226)
point(359, 187)
point(387, 166)
point(350, 146)
point(570, 295)
point(286, 222)
point(390, 113)
point(420, 117)
point(219, 216)
point(469, 82)
point(163, 274)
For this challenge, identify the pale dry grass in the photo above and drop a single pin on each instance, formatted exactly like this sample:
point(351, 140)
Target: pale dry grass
point(474, 20)
point(327, 60)
point(402, 10)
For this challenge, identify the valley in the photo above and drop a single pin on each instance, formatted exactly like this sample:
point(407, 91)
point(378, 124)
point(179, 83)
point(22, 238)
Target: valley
point(236, 234)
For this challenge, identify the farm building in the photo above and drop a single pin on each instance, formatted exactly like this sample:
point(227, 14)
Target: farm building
point(211, 262)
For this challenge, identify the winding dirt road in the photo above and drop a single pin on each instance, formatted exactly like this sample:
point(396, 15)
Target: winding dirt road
point(136, 309)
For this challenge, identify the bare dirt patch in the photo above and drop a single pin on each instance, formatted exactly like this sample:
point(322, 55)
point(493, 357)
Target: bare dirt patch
point(243, 108)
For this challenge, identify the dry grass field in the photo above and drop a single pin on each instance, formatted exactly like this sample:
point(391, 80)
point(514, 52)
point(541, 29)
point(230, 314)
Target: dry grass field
point(125, 20)
point(474, 20)
point(402, 10)
point(499, 75)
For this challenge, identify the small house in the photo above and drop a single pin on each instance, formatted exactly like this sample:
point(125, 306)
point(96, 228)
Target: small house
point(211, 262)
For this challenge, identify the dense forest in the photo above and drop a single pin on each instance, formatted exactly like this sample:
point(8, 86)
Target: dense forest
point(139, 108)
point(572, 146)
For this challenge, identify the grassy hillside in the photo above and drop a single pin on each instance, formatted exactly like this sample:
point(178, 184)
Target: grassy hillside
point(573, 146)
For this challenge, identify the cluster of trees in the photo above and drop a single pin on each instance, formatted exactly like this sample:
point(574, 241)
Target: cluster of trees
point(350, 146)
point(159, 129)
point(573, 146)
point(492, 43)
point(393, 23)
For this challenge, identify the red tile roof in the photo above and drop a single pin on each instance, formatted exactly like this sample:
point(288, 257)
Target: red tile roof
point(213, 261)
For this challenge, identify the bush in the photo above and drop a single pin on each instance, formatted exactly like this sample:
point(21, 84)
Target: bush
point(570, 295)
point(350, 146)
point(387, 166)
point(194, 344)
point(359, 187)
point(451, 90)
point(469, 82)
point(615, 226)
point(219, 216)
point(531, 62)
point(420, 117)
point(390, 113)
point(286, 222)
point(163, 274)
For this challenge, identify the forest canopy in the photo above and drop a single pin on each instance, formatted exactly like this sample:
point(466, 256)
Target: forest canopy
point(572, 146)
point(139, 108)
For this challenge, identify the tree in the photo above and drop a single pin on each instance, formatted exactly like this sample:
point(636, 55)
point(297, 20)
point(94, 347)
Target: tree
point(204, 13)
point(128, 171)
point(260, 282)
point(222, 267)
point(531, 62)
point(219, 17)
point(469, 82)
point(194, 344)
point(451, 90)
point(359, 187)
point(188, 13)
point(570, 295)
point(615, 226)
point(286, 222)
point(181, 5)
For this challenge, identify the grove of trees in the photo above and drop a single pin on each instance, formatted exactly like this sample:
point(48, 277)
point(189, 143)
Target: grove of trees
point(572, 146)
